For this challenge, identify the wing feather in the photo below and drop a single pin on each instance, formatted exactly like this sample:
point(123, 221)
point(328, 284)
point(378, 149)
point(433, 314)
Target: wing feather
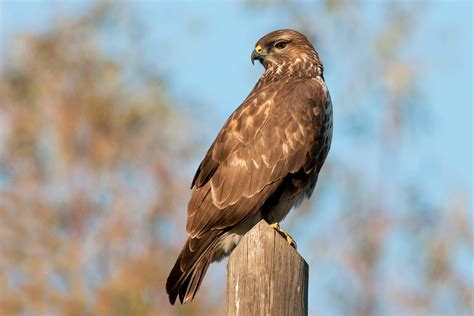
point(269, 136)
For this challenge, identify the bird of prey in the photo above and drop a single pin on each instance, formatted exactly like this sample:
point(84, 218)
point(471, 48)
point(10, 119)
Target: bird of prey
point(265, 159)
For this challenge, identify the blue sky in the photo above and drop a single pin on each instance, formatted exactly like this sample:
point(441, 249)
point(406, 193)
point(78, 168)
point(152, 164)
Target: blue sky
point(224, 34)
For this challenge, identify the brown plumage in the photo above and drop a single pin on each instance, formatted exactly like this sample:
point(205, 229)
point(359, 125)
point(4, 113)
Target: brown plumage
point(265, 159)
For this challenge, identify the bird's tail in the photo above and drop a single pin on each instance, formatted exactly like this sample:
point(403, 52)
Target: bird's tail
point(190, 267)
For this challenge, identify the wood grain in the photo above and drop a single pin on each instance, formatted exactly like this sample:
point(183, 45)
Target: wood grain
point(266, 276)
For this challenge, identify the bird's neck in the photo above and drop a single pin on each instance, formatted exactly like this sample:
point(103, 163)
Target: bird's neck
point(300, 68)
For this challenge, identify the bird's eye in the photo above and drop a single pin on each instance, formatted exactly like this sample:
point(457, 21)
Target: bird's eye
point(280, 45)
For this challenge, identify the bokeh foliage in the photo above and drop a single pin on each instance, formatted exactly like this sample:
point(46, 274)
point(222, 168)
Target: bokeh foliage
point(93, 193)
point(90, 149)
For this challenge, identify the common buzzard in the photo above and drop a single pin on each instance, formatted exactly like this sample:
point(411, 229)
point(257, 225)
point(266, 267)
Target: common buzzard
point(265, 159)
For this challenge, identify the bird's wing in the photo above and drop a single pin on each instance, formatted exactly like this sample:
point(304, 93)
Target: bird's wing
point(270, 135)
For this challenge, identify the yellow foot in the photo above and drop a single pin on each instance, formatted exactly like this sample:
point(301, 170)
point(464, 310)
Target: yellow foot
point(284, 234)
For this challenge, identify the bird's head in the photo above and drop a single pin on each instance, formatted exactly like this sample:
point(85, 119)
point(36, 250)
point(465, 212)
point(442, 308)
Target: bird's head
point(284, 47)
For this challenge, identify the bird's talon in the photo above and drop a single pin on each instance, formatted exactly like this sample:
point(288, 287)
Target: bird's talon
point(291, 241)
point(284, 234)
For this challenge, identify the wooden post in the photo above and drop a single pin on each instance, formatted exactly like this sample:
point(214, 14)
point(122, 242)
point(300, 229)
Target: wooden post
point(266, 276)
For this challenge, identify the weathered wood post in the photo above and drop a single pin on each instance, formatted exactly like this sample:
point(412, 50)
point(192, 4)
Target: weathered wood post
point(266, 276)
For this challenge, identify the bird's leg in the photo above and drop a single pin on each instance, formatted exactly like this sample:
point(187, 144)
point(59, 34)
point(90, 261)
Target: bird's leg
point(285, 235)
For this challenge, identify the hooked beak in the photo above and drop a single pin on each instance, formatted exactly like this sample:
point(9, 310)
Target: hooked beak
point(255, 56)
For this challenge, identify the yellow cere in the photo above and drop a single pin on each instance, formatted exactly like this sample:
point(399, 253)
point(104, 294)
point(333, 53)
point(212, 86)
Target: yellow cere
point(258, 49)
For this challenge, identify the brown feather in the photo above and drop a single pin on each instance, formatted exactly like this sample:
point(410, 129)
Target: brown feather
point(191, 263)
point(267, 155)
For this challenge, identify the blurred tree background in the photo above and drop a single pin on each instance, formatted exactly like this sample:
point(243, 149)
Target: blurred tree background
point(97, 152)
